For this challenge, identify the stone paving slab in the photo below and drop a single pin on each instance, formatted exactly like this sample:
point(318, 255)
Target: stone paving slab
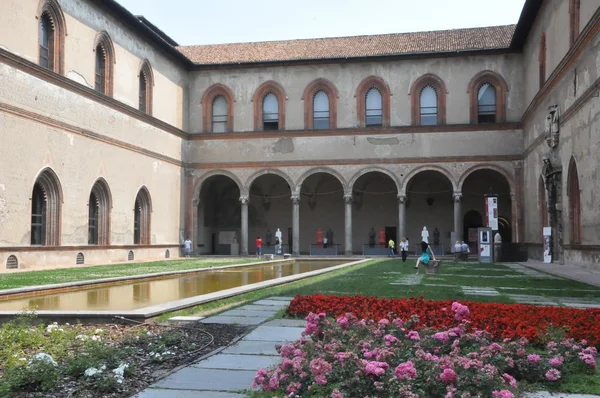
point(277, 334)
point(240, 320)
point(265, 308)
point(546, 394)
point(296, 323)
point(527, 299)
point(244, 312)
point(575, 305)
point(252, 348)
point(192, 378)
point(237, 362)
point(163, 393)
point(577, 300)
point(272, 303)
point(186, 318)
point(480, 291)
point(281, 298)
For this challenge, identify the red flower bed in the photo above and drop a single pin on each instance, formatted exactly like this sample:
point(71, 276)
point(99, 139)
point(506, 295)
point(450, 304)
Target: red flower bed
point(501, 320)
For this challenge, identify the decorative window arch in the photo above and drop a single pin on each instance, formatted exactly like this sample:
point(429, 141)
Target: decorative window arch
point(481, 110)
point(543, 202)
point(142, 214)
point(99, 209)
point(215, 119)
point(261, 93)
point(361, 100)
point(542, 59)
point(310, 108)
point(105, 60)
point(52, 31)
point(574, 17)
point(46, 203)
point(574, 203)
point(146, 82)
point(416, 94)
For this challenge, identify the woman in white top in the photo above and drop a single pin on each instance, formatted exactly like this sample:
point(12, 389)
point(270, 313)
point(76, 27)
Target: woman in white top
point(404, 248)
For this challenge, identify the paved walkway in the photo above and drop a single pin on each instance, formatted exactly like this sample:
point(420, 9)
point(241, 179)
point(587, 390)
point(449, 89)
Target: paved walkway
point(569, 271)
point(233, 369)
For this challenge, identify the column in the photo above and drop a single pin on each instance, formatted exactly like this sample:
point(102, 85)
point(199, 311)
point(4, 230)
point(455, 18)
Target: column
point(457, 216)
point(296, 225)
point(244, 237)
point(401, 216)
point(348, 238)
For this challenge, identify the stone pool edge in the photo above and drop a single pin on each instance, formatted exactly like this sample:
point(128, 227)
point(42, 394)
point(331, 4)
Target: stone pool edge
point(142, 314)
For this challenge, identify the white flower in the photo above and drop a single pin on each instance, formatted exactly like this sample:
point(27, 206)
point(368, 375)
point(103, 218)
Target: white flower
point(92, 371)
point(149, 333)
point(103, 367)
point(96, 338)
point(51, 328)
point(120, 370)
point(22, 359)
point(81, 337)
point(43, 357)
point(98, 331)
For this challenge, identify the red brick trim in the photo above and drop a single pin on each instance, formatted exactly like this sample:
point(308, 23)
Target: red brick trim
point(53, 196)
point(145, 207)
point(574, 17)
point(260, 93)
point(361, 94)
point(146, 70)
point(501, 87)
point(57, 18)
point(415, 96)
point(104, 198)
point(309, 95)
point(207, 100)
point(574, 194)
point(104, 42)
point(542, 59)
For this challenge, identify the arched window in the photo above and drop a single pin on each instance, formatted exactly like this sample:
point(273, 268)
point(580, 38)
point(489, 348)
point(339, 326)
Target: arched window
point(146, 83)
point(217, 109)
point(219, 114)
point(270, 112)
point(99, 207)
point(141, 218)
point(486, 104)
point(543, 202)
point(373, 108)
point(574, 204)
point(46, 201)
point(105, 58)
point(487, 98)
point(428, 106)
point(574, 16)
point(321, 110)
point(52, 33)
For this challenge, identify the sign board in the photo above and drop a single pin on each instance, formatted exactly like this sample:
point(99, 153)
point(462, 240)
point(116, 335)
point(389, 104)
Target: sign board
point(485, 241)
point(547, 245)
point(491, 212)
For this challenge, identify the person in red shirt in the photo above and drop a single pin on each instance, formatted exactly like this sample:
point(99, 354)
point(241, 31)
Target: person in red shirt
point(258, 246)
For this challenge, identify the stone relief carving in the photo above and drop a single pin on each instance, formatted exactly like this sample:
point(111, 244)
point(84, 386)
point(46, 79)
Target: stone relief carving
point(552, 126)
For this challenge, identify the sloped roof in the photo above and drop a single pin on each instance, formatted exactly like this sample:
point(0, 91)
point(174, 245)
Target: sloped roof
point(443, 41)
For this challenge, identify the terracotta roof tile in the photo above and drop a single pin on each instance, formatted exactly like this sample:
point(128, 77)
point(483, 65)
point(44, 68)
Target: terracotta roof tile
point(488, 38)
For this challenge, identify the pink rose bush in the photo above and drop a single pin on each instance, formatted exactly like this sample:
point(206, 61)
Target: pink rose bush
point(348, 357)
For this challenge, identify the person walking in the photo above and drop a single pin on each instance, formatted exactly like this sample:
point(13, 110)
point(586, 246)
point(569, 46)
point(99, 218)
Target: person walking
point(391, 245)
point(404, 248)
point(188, 246)
point(426, 256)
point(258, 246)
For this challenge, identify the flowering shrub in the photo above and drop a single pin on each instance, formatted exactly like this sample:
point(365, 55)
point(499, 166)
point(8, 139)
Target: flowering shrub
point(348, 357)
point(501, 320)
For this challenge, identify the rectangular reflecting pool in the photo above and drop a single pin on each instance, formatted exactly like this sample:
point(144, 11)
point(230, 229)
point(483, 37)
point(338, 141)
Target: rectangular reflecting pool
point(140, 293)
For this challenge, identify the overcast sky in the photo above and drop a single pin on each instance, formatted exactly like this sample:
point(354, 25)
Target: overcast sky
point(191, 22)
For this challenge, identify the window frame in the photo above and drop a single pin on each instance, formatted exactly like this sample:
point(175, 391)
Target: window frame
point(501, 87)
point(48, 185)
point(259, 95)
point(51, 10)
point(146, 96)
point(361, 98)
point(207, 101)
point(104, 56)
point(416, 89)
point(309, 96)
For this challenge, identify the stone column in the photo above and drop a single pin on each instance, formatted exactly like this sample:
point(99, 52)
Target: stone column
point(244, 238)
point(401, 216)
point(348, 242)
point(296, 225)
point(457, 216)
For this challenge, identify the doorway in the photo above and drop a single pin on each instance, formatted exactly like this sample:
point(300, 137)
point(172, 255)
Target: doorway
point(391, 233)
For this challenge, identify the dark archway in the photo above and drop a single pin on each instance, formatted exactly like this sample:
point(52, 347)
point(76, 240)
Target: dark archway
point(574, 204)
point(46, 204)
point(270, 208)
point(219, 216)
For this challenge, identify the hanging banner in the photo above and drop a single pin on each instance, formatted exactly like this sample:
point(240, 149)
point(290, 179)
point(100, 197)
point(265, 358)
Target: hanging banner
point(491, 212)
point(547, 245)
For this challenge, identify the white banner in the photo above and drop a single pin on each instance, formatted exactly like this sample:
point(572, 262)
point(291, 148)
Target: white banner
point(491, 212)
point(547, 245)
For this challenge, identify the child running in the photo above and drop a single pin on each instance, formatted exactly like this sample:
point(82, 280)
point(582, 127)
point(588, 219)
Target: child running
point(426, 256)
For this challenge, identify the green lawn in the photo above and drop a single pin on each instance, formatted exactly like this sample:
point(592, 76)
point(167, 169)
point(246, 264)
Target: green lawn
point(35, 278)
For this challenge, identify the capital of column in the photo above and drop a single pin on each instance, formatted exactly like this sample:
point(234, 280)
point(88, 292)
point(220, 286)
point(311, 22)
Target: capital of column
point(348, 198)
point(402, 199)
point(457, 196)
point(295, 199)
point(244, 200)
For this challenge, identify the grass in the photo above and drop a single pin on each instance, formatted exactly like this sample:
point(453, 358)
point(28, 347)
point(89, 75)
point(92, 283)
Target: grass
point(36, 278)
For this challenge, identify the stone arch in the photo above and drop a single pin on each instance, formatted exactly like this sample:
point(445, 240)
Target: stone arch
point(142, 217)
point(260, 93)
point(208, 98)
point(308, 97)
point(316, 170)
point(50, 211)
point(262, 172)
point(52, 9)
point(105, 44)
point(487, 166)
point(146, 82)
point(488, 76)
point(374, 169)
point(101, 191)
point(207, 175)
point(420, 169)
point(361, 97)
